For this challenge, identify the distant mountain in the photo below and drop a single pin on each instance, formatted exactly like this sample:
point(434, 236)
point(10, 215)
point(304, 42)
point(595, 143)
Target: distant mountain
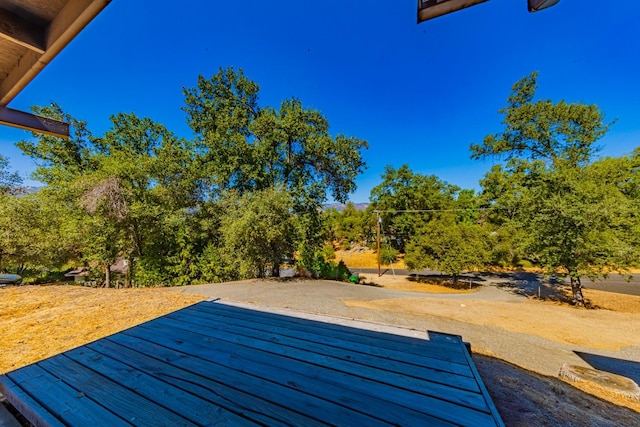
point(340, 206)
point(23, 191)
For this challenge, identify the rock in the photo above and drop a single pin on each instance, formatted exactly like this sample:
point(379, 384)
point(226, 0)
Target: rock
point(615, 383)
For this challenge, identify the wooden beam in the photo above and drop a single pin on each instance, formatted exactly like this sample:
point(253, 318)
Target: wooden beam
point(429, 9)
point(20, 31)
point(75, 15)
point(22, 120)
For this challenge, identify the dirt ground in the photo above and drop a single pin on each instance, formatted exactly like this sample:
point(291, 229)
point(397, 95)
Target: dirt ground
point(598, 328)
point(40, 321)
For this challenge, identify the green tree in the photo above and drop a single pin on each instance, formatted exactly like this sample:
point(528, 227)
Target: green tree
point(258, 231)
point(402, 189)
point(449, 246)
point(347, 226)
point(579, 222)
point(388, 255)
point(572, 215)
point(35, 232)
point(542, 129)
point(244, 147)
point(127, 184)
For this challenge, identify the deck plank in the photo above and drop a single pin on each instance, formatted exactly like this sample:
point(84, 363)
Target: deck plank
point(283, 346)
point(129, 405)
point(279, 393)
point(162, 393)
point(27, 405)
point(406, 346)
point(61, 400)
point(148, 358)
point(306, 373)
point(438, 371)
point(215, 363)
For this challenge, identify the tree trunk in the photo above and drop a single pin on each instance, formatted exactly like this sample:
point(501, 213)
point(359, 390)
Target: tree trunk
point(107, 276)
point(129, 278)
point(275, 270)
point(576, 289)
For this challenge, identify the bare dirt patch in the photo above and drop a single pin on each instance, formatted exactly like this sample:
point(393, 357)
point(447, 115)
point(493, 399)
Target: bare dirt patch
point(525, 398)
point(602, 329)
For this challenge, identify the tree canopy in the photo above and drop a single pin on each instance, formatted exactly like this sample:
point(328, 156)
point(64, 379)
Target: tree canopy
point(542, 129)
point(251, 182)
point(564, 209)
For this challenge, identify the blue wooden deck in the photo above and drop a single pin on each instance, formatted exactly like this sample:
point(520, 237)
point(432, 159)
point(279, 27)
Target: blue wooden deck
point(217, 364)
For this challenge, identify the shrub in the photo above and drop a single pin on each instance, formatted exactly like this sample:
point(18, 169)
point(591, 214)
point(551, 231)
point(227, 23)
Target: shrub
point(328, 252)
point(388, 255)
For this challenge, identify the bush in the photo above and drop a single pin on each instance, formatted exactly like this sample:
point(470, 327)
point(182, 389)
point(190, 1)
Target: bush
point(150, 272)
point(36, 277)
point(388, 255)
point(339, 271)
point(214, 268)
point(328, 252)
point(329, 270)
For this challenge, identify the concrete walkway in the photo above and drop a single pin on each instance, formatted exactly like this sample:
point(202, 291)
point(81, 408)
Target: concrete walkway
point(325, 298)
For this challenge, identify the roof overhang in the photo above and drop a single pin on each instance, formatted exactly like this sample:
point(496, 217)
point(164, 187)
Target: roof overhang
point(32, 33)
point(429, 9)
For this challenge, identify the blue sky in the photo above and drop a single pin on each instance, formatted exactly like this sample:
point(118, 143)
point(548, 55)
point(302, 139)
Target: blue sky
point(419, 94)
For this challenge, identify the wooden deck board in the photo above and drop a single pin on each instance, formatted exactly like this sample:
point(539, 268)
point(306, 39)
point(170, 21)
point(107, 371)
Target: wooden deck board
point(434, 369)
point(355, 408)
point(384, 342)
point(408, 392)
point(219, 364)
point(283, 347)
point(60, 400)
point(215, 391)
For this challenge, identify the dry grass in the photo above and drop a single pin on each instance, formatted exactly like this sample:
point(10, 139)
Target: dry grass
point(612, 301)
point(37, 321)
point(364, 258)
point(608, 395)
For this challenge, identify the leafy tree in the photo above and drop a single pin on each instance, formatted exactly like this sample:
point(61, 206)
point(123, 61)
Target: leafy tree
point(165, 203)
point(258, 231)
point(244, 147)
point(402, 189)
point(544, 130)
point(59, 161)
point(126, 183)
point(448, 246)
point(347, 226)
point(578, 222)
point(35, 232)
point(573, 216)
point(388, 255)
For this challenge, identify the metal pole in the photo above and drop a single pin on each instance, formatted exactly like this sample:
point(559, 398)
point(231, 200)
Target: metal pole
point(378, 239)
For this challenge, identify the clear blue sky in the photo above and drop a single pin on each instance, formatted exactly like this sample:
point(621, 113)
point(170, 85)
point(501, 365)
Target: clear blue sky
point(419, 94)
